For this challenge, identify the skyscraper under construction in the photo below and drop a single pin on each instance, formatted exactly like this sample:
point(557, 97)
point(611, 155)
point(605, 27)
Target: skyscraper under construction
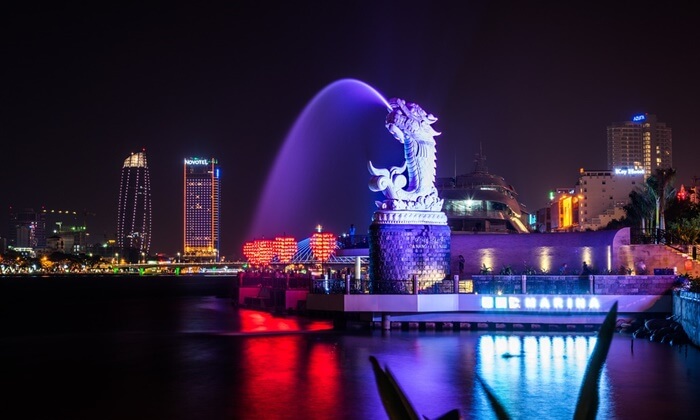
point(134, 210)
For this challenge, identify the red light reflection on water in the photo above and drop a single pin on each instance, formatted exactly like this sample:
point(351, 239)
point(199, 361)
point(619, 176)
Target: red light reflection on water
point(254, 321)
point(277, 369)
point(323, 371)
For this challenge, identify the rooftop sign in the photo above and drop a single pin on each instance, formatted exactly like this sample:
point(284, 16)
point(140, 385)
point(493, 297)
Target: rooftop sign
point(629, 171)
point(196, 161)
point(640, 117)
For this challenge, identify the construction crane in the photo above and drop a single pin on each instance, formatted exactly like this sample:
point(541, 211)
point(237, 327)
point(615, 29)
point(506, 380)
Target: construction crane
point(69, 213)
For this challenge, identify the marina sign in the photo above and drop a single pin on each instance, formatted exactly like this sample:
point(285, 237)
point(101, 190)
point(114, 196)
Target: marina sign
point(543, 303)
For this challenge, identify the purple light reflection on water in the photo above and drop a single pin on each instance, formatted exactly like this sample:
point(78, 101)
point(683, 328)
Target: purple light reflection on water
point(320, 173)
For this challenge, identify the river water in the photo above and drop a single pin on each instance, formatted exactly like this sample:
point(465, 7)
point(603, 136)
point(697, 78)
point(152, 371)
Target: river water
point(177, 356)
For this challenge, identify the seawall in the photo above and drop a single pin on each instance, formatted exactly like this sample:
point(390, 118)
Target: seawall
point(686, 307)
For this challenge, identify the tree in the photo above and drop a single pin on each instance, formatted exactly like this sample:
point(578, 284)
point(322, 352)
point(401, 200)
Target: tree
point(640, 208)
point(648, 202)
point(686, 230)
point(662, 181)
point(678, 209)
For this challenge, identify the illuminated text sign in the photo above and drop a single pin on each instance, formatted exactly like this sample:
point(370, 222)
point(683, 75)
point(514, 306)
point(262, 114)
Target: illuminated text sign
point(629, 171)
point(545, 303)
point(639, 118)
point(197, 161)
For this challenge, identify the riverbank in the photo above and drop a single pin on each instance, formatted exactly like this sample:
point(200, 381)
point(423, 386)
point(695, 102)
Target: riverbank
point(74, 287)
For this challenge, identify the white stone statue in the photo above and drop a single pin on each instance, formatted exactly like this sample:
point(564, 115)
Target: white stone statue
point(410, 125)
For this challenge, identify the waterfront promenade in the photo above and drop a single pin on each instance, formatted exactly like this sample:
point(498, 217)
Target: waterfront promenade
point(480, 302)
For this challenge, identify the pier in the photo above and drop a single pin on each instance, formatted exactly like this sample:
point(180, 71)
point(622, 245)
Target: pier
point(553, 303)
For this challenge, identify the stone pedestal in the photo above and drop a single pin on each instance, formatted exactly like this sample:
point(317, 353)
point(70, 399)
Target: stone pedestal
point(402, 251)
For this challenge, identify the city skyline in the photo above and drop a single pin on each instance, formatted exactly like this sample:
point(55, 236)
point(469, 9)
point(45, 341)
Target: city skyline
point(535, 85)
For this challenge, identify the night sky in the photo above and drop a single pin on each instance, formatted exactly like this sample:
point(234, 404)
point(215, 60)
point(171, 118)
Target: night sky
point(534, 83)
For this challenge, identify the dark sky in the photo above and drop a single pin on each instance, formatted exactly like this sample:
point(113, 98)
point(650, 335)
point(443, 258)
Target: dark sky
point(534, 82)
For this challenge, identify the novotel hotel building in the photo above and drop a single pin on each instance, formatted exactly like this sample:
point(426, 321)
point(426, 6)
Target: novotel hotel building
point(202, 207)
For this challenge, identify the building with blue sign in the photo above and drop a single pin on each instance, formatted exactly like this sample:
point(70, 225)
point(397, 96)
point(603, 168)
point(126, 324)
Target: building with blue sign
point(202, 205)
point(641, 143)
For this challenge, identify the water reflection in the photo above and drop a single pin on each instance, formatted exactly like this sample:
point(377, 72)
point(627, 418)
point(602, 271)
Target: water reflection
point(259, 322)
point(529, 371)
point(201, 357)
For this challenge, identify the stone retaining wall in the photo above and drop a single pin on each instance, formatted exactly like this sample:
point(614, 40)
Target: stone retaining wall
point(634, 285)
point(686, 307)
point(400, 252)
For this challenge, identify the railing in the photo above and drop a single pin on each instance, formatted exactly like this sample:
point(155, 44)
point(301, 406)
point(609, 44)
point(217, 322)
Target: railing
point(533, 284)
point(354, 241)
point(275, 282)
point(658, 236)
point(353, 286)
point(503, 285)
point(645, 236)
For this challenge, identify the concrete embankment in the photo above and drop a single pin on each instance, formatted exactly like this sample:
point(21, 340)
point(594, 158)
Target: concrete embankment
point(686, 308)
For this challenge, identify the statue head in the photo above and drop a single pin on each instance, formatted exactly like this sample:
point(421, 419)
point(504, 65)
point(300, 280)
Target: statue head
point(407, 119)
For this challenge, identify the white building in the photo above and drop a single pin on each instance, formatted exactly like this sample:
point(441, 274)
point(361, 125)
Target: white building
point(603, 195)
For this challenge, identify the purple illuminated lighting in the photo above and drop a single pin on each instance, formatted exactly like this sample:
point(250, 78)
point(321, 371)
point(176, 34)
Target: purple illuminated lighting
point(319, 176)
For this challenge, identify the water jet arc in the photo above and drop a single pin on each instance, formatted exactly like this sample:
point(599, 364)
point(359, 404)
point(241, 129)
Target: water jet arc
point(319, 176)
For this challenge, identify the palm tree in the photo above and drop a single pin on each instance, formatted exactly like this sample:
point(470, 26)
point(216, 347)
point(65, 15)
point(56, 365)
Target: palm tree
point(641, 206)
point(663, 183)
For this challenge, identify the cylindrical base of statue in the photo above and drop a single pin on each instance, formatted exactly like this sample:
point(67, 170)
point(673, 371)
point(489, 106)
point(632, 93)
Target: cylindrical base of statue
point(401, 253)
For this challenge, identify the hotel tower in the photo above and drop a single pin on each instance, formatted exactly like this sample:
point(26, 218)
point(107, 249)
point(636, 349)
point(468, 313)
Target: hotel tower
point(202, 204)
point(134, 210)
point(643, 143)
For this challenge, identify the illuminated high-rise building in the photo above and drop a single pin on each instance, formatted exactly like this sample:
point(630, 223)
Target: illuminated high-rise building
point(202, 204)
point(134, 210)
point(27, 229)
point(642, 143)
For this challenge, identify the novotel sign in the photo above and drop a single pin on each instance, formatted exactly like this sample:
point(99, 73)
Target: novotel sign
point(543, 303)
point(197, 161)
point(640, 117)
point(629, 171)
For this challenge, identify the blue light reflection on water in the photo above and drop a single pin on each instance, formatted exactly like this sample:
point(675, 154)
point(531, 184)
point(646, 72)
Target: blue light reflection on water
point(539, 377)
point(532, 372)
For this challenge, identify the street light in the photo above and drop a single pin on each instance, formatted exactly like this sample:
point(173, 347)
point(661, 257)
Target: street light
point(178, 257)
